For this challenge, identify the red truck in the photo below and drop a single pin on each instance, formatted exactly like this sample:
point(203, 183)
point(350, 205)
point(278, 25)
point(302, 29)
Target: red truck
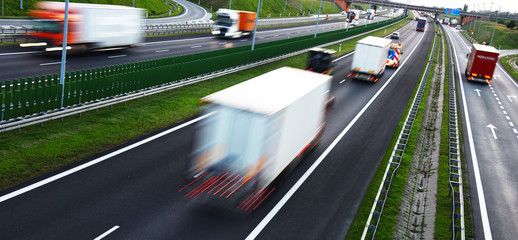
point(481, 63)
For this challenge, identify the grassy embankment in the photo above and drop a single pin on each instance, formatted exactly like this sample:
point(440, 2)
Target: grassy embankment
point(508, 67)
point(12, 8)
point(504, 38)
point(38, 150)
point(393, 201)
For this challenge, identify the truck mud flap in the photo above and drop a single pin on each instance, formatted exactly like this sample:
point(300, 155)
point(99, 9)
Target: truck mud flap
point(226, 191)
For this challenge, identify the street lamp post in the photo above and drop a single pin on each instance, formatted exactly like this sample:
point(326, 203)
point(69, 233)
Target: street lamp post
point(230, 5)
point(286, 1)
point(318, 17)
point(64, 54)
point(255, 28)
point(491, 43)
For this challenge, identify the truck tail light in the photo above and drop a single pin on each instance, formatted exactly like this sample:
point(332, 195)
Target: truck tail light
point(474, 74)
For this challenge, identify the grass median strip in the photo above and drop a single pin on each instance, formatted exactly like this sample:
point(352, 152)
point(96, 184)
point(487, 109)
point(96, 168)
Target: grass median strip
point(508, 67)
point(38, 150)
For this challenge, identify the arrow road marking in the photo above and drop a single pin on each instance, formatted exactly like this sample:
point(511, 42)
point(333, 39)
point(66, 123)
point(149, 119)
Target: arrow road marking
point(492, 130)
point(478, 91)
point(510, 97)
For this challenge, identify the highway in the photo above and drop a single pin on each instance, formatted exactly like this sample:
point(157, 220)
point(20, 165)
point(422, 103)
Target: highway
point(131, 192)
point(490, 121)
point(17, 62)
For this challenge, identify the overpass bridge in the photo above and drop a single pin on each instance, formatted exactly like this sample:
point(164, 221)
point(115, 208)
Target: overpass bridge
point(465, 17)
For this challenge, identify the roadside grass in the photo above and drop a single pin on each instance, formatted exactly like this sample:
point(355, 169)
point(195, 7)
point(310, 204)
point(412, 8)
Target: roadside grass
point(12, 8)
point(443, 210)
point(508, 67)
point(393, 201)
point(273, 8)
point(38, 150)
point(504, 38)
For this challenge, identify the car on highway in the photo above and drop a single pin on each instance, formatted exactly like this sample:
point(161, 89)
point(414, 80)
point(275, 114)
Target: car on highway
point(394, 35)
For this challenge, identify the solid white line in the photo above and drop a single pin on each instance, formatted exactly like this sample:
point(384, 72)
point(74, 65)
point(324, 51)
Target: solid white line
point(179, 40)
point(346, 55)
point(51, 63)
point(295, 187)
point(117, 56)
point(95, 161)
point(165, 50)
point(222, 43)
point(196, 46)
point(244, 40)
point(478, 181)
point(106, 233)
point(18, 53)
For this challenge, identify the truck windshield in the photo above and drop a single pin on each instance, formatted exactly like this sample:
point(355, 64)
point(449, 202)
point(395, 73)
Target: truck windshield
point(48, 26)
point(224, 20)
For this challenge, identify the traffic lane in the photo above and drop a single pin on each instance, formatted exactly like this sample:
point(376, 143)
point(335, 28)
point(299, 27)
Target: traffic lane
point(23, 64)
point(130, 214)
point(128, 188)
point(325, 205)
point(496, 144)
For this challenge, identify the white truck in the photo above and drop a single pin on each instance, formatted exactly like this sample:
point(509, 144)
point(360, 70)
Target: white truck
point(90, 26)
point(252, 133)
point(370, 57)
point(233, 23)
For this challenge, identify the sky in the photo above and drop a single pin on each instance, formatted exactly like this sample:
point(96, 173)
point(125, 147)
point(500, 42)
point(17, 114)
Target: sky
point(507, 5)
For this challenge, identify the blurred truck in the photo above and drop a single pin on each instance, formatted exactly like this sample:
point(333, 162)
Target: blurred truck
point(233, 23)
point(481, 64)
point(90, 26)
point(421, 23)
point(253, 133)
point(370, 57)
point(453, 22)
point(446, 21)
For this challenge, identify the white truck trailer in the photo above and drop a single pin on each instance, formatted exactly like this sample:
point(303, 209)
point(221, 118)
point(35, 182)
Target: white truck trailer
point(370, 57)
point(253, 132)
point(91, 26)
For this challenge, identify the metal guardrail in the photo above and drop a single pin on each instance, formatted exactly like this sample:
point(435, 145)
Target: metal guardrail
point(396, 157)
point(40, 118)
point(455, 174)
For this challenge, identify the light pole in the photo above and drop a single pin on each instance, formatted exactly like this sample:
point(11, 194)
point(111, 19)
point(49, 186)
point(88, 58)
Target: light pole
point(230, 5)
point(300, 11)
point(286, 1)
point(310, 6)
point(21, 4)
point(318, 17)
point(479, 26)
point(491, 43)
point(488, 20)
point(255, 28)
point(64, 54)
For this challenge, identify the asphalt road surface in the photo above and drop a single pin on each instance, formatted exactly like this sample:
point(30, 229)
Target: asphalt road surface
point(490, 122)
point(131, 192)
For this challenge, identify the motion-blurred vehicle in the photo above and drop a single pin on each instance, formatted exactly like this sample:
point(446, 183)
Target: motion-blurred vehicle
point(370, 57)
point(90, 26)
point(421, 23)
point(253, 133)
point(394, 55)
point(233, 23)
point(453, 23)
point(446, 21)
point(320, 60)
point(394, 35)
point(481, 64)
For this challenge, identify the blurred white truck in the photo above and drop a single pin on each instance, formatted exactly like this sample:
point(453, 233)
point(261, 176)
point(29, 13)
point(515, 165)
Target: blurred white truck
point(90, 26)
point(370, 57)
point(233, 23)
point(255, 131)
